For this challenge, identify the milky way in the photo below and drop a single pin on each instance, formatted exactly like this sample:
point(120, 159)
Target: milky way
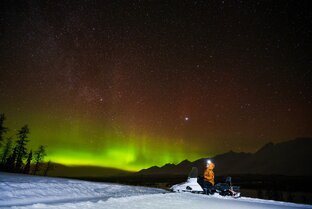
point(131, 85)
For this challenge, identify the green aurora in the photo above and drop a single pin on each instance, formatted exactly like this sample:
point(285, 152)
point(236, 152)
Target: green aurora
point(77, 143)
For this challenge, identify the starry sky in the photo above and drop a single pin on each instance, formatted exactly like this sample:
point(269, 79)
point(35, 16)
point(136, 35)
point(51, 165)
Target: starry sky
point(132, 84)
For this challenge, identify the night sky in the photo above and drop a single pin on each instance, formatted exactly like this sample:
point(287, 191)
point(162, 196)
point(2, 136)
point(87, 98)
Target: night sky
point(132, 84)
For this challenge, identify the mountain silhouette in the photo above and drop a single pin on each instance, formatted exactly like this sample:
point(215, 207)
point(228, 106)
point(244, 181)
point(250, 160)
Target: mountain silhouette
point(290, 158)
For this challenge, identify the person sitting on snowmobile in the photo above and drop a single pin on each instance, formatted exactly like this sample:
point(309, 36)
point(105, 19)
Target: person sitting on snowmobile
point(209, 178)
point(209, 174)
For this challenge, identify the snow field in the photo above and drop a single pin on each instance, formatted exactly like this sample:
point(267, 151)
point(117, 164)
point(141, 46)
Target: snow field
point(18, 189)
point(30, 192)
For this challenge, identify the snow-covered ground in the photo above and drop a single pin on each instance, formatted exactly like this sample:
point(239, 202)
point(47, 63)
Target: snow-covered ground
point(20, 191)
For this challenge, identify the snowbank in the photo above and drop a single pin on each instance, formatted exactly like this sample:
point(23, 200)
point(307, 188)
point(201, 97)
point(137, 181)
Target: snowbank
point(18, 189)
point(27, 192)
point(170, 201)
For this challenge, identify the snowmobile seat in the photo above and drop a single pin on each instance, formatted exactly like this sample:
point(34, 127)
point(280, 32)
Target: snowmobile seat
point(221, 187)
point(228, 180)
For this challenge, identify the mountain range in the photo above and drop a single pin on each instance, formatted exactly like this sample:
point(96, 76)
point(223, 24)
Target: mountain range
point(290, 158)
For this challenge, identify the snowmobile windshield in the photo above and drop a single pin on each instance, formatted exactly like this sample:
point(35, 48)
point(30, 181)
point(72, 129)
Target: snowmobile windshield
point(193, 173)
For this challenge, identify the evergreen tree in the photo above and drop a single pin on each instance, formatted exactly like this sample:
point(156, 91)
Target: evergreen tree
point(27, 167)
point(39, 155)
point(10, 162)
point(21, 147)
point(48, 168)
point(6, 151)
point(260, 194)
point(290, 197)
point(3, 129)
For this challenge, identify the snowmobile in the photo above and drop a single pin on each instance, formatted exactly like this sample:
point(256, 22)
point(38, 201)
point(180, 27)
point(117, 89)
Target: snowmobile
point(191, 185)
point(196, 185)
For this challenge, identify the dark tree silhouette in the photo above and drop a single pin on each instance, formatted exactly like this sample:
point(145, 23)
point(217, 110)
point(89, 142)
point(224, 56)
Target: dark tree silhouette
point(3, 129)
point(21, 147)
point(27, 166)
point(48, 168)
point(290, 197)
point(6, 150)
point(39, 155)
point(14, 161)
point(260, 194)
point(10, 163)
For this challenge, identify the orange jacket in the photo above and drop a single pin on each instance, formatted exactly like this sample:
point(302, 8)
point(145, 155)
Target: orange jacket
point(209, 175)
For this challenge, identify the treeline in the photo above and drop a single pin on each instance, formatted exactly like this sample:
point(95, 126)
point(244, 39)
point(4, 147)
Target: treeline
point(14, 155)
